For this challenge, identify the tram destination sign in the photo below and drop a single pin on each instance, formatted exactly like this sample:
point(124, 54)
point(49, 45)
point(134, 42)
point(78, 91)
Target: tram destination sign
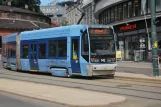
point(100, 31)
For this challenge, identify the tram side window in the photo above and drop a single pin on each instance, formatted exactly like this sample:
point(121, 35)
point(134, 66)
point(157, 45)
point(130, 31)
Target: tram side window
point(25, 51)
point(4, 50)
point(13, 50)
point(52, 48)
point(85, 48)
point(42, 51)
point(62, 48)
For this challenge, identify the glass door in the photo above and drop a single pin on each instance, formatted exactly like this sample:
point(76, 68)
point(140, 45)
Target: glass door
point(33, 56)
point(128, 48)
point(75, 63)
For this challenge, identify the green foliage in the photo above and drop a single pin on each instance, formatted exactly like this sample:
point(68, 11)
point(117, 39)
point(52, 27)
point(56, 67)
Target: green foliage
point(33, 5)
point(64, 23)
point(18, 3)
point(3, 2)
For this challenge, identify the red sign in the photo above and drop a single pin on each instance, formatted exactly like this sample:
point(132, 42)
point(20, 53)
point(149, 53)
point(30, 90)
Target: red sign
point(128, 27)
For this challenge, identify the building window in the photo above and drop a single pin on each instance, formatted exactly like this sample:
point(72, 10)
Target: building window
point(144, 5)
point(149, 7)
point(120, 12)
point(52, 48)
point(91, 15)
point(42, 51)
point(62, 48)
point(109, 16)
point(99, 19)
point(158, 5)
point(102, 18)
point(112, 14)
point(106, 16)
point(59, 15)
point(116, 13)
point(137, 7)
point(124, 10)
point(130, 9)
point(25, 51)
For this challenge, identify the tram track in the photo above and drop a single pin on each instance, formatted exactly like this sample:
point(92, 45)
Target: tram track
point(134, 82)
point(147, 83)
point(87, 84)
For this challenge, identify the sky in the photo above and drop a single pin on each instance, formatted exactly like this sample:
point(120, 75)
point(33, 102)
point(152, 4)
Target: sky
point(43, 2)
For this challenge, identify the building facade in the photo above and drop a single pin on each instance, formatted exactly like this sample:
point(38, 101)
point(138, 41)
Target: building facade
point(75, 11)
point(88, 9)
point(54, 11)
point(16, 20)
point(73, 14)
point(132, 23)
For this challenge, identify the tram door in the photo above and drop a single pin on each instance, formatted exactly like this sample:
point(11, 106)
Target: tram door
point(33, 56)
point(75, 62)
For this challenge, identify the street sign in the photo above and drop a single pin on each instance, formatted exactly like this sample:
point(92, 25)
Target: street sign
point(142, 45)
point(155, 44)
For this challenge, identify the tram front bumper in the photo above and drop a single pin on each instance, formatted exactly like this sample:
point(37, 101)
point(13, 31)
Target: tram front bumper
point(101, 69)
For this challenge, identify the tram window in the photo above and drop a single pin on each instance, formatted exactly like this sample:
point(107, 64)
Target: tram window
point(25, 51)
point(62, 48)
point(13, 50)
point(52, 48)
point(4, 50)
point(42, 51)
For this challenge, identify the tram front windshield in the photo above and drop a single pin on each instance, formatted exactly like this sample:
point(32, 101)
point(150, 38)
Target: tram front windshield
point(102, 43)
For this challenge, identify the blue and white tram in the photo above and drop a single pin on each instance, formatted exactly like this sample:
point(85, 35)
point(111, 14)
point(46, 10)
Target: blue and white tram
point(63, 51)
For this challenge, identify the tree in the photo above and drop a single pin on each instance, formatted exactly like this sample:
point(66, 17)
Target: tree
point(18, 3)
point(64, 23)
point(33, 5)
point(3, 2)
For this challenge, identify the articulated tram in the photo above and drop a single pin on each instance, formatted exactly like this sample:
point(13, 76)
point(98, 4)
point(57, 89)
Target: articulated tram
point(85, 50)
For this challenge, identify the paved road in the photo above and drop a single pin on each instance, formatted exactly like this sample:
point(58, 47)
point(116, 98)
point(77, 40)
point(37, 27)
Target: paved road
point(140, 94)
point(9, 100)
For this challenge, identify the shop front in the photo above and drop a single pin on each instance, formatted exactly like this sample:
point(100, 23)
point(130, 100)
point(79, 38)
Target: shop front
point(134, 42)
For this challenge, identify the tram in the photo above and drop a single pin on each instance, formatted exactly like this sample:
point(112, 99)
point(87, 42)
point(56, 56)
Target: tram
point(85, 50)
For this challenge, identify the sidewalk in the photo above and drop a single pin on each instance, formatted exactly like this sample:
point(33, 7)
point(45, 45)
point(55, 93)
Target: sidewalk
point(132, 64)
point(58, 94)
point(137, 76)
point(137, 70)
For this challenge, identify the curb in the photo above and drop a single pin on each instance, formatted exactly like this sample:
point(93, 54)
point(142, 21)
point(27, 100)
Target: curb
point(28, 96)
point(151, 68)
point(65, 104)
point(38, 96)
point(149, 79)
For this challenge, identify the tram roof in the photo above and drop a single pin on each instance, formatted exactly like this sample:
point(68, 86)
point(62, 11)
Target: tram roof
point(63, 31)
point(9, 38)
